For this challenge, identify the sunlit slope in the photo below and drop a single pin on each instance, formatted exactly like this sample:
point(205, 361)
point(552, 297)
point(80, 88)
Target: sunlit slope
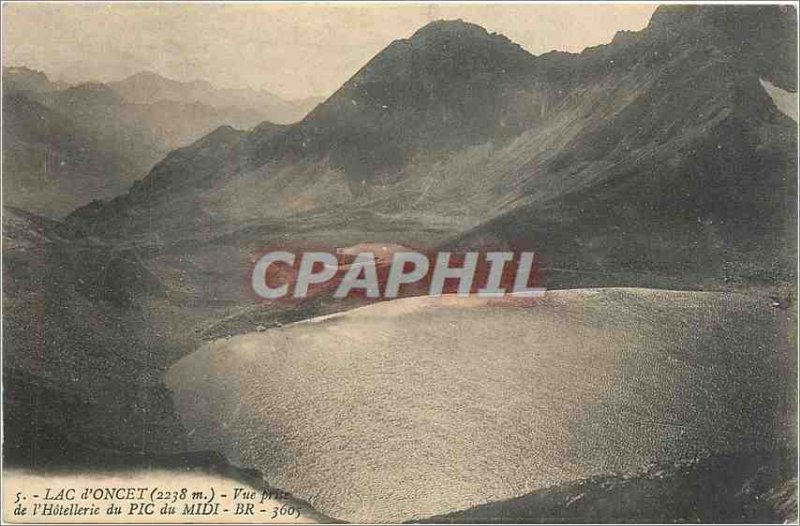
point(424, 406)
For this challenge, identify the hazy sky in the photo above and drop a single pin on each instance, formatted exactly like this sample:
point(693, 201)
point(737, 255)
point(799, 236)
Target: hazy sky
point(293, 50)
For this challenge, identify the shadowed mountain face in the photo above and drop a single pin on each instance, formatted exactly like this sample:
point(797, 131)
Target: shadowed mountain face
point(693, 175)
point(80, 359)
point(762, 39)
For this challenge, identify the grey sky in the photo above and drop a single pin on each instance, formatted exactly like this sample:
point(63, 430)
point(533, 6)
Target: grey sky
point(295, 50)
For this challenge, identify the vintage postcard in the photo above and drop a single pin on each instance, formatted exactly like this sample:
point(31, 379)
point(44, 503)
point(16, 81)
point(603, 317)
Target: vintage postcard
point(369, 262)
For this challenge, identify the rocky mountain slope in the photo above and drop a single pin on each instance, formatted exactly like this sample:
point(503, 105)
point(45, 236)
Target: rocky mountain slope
point(659, 153)
point(81, 361)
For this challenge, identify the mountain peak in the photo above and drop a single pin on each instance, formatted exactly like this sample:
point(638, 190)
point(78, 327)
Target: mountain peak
point(22, 70)
point(146, 74)
point(722, 17)
point(155, 79)
point(460, 32)
point(89, 92)
point(457, 28)
point(446, 50)
point(23, 78)
point(762, 37)
point(446, 86)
